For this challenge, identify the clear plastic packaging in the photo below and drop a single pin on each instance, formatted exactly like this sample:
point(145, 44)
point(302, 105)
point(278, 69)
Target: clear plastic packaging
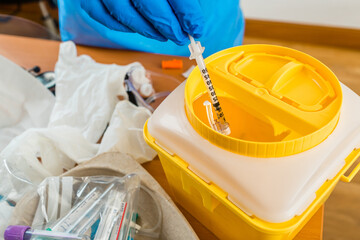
point(96, 207)
point(151, 230)
point(163, 86)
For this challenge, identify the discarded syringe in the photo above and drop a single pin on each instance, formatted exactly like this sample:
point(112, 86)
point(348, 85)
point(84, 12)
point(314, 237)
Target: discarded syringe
point(81, 217)
point(220, 124)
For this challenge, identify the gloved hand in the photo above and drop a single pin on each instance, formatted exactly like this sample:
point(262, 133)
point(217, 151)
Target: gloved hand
point(157, 19)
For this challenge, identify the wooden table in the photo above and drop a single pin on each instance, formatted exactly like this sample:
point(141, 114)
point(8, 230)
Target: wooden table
point(28, 52)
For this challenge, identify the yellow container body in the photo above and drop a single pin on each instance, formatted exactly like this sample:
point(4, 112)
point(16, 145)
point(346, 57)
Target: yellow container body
point(278, 102)
point(209, 204)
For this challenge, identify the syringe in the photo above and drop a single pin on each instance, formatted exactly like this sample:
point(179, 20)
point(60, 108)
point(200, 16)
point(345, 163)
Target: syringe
point(19, 232)
point(84, 214)
point(196, 53)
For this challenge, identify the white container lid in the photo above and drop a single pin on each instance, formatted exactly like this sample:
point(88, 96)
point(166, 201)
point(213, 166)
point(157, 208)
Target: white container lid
point(272, 189)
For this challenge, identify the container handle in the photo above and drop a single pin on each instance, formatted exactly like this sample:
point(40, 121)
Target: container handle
point(354, 155)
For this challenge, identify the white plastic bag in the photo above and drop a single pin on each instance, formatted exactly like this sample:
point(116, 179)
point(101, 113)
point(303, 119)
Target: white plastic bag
point(24, 102)
point(86, 92)
point(125, 132)
point(40, 153)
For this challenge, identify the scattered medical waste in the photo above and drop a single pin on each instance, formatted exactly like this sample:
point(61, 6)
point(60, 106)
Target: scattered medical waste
point(96, 208)
point(220, 124)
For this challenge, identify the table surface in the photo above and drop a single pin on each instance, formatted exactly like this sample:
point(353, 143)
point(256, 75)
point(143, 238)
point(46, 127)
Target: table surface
point(28, 52)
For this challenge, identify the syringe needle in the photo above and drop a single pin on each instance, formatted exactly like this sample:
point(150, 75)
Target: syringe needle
point(196, 51)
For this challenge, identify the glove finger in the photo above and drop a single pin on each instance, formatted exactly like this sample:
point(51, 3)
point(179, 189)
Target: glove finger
point(162, 17)
point(124, 12)
point(190, 16)
point(97, 11)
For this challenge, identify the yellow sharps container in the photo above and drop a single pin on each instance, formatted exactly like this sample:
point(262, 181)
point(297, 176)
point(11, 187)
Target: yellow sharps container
point(294, 134)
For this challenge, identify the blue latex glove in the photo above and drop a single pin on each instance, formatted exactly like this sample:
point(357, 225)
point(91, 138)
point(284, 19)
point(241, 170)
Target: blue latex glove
point(156, 19)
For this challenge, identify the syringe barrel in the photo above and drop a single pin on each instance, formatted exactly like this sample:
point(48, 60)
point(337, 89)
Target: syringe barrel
point(66, 223)
point(200, 62)
point(196, 53)
point(81, 217)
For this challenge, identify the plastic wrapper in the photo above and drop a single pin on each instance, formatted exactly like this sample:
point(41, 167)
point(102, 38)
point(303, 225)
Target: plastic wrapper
point(157, 214)
point(96, 207)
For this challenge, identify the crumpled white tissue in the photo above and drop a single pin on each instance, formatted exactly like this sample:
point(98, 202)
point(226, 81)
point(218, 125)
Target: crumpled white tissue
point(125, 132)
point(86, 92)
point(24, 102)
